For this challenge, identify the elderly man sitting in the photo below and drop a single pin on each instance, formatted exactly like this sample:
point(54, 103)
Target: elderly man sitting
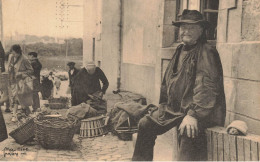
point(192, 95)
point(87, 82)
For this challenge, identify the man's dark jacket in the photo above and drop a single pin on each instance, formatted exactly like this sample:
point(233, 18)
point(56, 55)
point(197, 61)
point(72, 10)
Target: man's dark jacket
point(71, 76)
point(37, 66)
point(84, 84)
point(2, 58)
point(196, 89)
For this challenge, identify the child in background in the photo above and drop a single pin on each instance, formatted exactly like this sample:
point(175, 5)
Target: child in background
point(57, 83)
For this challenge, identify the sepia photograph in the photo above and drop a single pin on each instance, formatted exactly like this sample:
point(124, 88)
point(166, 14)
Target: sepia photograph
point(129, 80)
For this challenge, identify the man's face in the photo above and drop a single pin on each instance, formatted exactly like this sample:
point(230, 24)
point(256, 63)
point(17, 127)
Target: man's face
point(30, 56)
point(71, 67)
point(190, 33)
point(91, 69)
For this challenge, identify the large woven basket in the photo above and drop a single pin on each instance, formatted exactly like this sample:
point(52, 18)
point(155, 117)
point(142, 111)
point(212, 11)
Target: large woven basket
point(24, 133)
point(54, 132)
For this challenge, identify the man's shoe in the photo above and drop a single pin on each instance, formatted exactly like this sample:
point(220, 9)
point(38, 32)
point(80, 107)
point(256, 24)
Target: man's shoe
point(7, 110)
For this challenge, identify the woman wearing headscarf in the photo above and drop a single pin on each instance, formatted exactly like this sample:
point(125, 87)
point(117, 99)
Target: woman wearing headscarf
point(192, 95)
point(19, 68)
point(87, 82)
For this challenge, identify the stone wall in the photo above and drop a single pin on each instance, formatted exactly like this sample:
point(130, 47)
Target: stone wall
point(238, 44)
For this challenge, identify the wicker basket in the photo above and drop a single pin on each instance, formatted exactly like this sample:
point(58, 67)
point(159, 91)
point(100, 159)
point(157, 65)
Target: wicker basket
point(24, 133)
point(54, 133)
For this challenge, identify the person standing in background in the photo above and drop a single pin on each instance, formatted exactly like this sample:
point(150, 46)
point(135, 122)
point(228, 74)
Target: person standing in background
point(19, 68)
point(72, 73)
point(37, 66)
point(46, 87)
point(87, 82)
point(57, 83)
point(2, 66)
point(3, 98)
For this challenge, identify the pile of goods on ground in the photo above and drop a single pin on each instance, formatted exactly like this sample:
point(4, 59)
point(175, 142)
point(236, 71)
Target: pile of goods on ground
point(125, 115)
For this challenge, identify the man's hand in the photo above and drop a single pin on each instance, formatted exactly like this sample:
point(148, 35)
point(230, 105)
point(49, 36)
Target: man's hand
point(191, 125)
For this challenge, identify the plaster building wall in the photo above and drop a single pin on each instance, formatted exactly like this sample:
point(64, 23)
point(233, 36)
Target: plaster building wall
point(137, 47)
point(142, 27)
point(137, 36)
point(134, 53)
point(110, 39)
point(91, 25)
point(102, 36)
point(239, 44)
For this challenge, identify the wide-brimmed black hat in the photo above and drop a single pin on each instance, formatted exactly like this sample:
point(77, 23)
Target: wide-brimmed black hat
point(191, 17)
point(71, 63)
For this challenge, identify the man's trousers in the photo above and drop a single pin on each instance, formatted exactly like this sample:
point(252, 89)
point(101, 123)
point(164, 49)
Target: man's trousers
point(189, 149)
point(36, 100)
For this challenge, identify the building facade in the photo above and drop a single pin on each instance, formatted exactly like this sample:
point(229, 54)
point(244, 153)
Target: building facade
point(133, 41)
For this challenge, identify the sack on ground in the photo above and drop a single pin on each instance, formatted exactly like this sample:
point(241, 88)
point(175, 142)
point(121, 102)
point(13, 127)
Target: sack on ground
point(80, 111)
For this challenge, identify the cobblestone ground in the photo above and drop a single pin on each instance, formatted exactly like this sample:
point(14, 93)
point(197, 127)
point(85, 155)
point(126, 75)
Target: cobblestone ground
point(103, 148)
point(107, 148)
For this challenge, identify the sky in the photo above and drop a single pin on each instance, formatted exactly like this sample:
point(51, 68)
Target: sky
point(42, 18)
